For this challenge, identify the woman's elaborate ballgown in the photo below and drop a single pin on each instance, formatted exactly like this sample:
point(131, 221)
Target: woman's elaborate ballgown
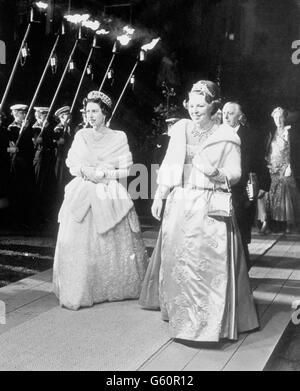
point(197, 274)
point(100, 255)
point(282, 202)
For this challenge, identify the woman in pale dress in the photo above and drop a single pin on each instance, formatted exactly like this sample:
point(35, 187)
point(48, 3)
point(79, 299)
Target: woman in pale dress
point(100, 255)
point(197, 275)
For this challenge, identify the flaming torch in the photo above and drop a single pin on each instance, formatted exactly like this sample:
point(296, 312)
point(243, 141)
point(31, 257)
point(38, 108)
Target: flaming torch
point(93, 25)
point(76, 19)
point(124, 40)
point(141, 58)
point(41, 5)
point(23, 45)
point(38, 88)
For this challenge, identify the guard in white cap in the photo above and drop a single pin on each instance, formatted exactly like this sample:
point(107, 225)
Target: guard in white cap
point(63, 127)
point(19, 107)
point(63, 140)
point(40, 114)
point(18, 111)
point(65, 110)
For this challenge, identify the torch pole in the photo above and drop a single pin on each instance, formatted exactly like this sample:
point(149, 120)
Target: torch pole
point(123, 91)
point(82, 75)
point(14, 67)
point(107, 70)
point(38, 88)
point(59, 86)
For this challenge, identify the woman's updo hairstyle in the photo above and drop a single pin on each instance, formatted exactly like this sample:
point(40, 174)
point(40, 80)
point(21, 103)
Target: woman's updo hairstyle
point(282, 112)
point(211, 92)
point(102, 100)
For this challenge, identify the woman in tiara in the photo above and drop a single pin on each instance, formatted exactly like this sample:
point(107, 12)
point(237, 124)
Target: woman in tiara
point(99, 255)
point(197, 274)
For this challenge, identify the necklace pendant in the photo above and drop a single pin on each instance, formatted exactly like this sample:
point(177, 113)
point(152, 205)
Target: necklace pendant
point(202, 134)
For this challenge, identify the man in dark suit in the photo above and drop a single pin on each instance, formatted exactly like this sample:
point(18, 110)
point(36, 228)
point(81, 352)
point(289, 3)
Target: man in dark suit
point(252, 161)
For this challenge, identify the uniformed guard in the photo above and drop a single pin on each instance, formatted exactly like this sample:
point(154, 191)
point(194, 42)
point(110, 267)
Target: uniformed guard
point(18, 111)
point(44, 164)
point(64, 139)
point(21, 150)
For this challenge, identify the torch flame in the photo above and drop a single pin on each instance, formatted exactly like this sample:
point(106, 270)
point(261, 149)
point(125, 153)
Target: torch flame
point(151, 45)
point(128, 30)
point(85, 17)
point(77, 18)
point(124, 39)
point(41, 5)
point(102, 32)
point(93, 25)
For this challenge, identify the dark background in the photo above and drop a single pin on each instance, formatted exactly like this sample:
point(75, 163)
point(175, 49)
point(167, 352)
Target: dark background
point(245, 45)
point(255, 65)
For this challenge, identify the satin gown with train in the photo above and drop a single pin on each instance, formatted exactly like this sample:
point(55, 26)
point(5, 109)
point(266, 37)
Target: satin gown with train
point(197, 274)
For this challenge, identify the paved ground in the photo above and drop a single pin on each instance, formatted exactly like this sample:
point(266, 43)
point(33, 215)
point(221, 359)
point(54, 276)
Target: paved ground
point(40, 335)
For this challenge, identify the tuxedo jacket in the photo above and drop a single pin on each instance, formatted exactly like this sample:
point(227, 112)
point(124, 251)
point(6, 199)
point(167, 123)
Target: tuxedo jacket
point(252, 160)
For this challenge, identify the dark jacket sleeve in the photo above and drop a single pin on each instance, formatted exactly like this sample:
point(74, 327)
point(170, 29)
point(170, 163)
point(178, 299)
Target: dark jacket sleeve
point(253, 159)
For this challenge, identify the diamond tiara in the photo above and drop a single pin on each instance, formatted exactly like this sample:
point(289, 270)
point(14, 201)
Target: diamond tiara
point(100, 95)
